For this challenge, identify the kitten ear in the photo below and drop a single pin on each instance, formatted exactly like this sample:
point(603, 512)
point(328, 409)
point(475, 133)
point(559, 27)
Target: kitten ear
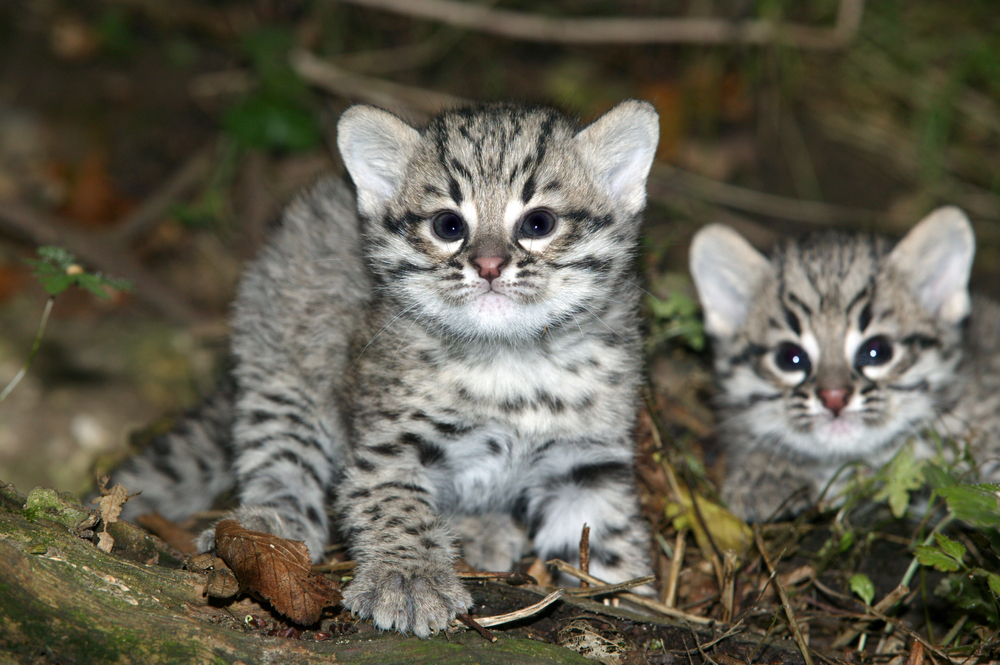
point(376, 147)
point(726, 271)
point(619, 147)
point(935, 257)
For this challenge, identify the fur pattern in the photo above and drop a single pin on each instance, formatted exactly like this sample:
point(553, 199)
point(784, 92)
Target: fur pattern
point(442, 379)
point(842, 348)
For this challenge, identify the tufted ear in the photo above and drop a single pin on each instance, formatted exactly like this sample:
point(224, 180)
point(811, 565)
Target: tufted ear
point(935, 258)
point(376, 147)
point(619, 147)
point(727, 271)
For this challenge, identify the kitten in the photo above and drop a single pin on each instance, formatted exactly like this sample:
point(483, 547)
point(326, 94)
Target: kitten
point(461, 354)
point(841, 348)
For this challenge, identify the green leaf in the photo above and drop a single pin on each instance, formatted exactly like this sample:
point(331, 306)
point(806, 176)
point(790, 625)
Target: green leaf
point(979, 505)
point(862, 585)
point(903, 475)
point(265, 122)
point(953, 549)
point(930, 556)
point(57, 270)
point(994, 581)
point(93, 284)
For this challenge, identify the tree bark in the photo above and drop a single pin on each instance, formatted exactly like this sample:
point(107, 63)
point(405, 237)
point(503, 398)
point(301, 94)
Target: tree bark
point(64, 600)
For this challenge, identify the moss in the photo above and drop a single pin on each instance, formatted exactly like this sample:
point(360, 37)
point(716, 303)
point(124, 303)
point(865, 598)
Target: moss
point(48, 504)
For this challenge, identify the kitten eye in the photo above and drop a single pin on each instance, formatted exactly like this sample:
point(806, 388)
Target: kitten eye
point(876, 351)
point(449, 227)
point(537, 223)
point(792, 358)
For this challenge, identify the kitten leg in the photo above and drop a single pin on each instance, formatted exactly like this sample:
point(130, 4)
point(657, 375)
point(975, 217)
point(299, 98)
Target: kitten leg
point(285, 465)
point(765, 485)
point(405, 578)
point(492, 541)
point(600, 494)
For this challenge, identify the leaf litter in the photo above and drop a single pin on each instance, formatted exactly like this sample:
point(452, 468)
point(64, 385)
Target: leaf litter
point(277, 570)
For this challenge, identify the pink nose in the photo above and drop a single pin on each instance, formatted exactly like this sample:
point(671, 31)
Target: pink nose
point(834, 399)
point(489, 267)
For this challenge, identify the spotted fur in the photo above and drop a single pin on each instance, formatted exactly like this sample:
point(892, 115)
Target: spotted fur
point(376, 362)
point(841, 348)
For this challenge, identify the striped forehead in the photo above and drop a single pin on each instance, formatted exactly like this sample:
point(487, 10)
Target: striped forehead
point(827, 272)
point(494, 147)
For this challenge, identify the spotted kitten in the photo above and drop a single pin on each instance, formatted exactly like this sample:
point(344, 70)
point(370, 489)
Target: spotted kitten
point(841, 348)
point(461, 355)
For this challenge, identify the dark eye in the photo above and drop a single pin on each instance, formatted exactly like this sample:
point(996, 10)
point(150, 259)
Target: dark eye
point(876, 351)
point(449, 227)
point(537, 223)
point(792, 358)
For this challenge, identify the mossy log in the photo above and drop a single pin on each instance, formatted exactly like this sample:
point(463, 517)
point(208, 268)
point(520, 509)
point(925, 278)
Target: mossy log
point(64, 600)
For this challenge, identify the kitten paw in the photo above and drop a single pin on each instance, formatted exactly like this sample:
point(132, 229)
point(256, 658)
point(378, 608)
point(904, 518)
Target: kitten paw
point(421, 601)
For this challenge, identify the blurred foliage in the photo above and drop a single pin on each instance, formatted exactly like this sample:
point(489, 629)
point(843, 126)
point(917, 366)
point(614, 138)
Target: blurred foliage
point(278, 114)
point(57, 270)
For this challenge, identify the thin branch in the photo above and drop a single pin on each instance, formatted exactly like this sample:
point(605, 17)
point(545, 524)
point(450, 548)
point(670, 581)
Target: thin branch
point(607, 589)
point(141, 221)
point(322, 74)
point(523, 613)
point(648, 603)
point(473, 624)
point(789, 612)
point(667, 182)
point(640, 30)
point(34, 350)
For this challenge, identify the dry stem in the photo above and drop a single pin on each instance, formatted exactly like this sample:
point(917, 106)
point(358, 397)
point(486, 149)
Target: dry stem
point(616, 30)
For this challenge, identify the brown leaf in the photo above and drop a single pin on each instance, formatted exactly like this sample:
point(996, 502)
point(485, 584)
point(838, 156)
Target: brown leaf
point(277, 570)
point(111, 503)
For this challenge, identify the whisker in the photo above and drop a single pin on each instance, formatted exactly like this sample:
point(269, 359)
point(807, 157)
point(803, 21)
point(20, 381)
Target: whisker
point(382, 330)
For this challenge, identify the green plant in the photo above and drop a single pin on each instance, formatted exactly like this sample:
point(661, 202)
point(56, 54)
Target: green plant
point(277, 115)
point(57, 270)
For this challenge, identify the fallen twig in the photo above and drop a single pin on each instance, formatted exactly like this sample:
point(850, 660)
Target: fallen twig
point(510, 578)
point(877, 609)
point(640, 30)
point(473, 624)
point(587, 591)
point(786, 604)
point(676, 563)
point(648, 603)
point(523, 613)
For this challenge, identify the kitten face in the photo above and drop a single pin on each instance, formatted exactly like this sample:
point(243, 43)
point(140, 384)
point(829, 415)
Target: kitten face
point(834, 349)
point(503, 222)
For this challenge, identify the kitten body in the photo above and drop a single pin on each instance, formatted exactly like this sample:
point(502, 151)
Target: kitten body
point(464, 356)
point(841, 348)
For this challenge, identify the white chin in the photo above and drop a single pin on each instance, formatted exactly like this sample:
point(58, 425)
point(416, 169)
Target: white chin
point(843, 438)
point(492, 307)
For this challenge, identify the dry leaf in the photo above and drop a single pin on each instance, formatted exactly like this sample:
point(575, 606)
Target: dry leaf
point(276, 569)
point(111, 503)
point(540, 572)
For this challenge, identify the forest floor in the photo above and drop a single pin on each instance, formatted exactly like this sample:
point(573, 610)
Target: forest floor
point(157, 141)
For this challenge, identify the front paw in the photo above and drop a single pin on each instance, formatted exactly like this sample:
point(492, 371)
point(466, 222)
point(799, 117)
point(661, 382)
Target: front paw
point(421, 600)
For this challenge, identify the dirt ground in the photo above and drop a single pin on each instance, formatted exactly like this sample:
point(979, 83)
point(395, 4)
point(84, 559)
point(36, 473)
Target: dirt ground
point(157, 141)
